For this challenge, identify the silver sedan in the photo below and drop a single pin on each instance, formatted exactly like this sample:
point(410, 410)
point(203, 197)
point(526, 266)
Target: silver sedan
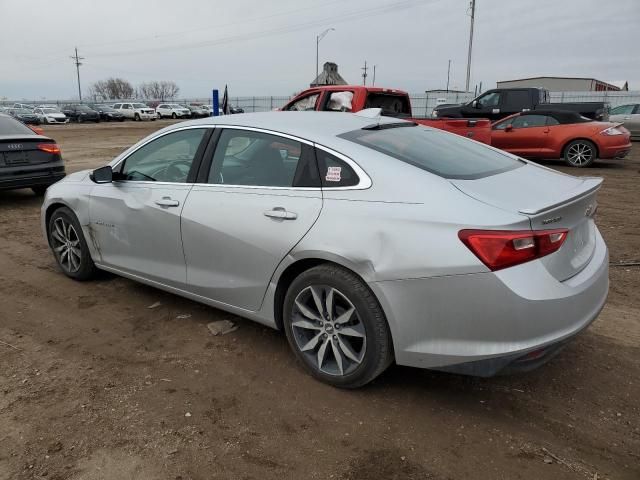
point(368, 240)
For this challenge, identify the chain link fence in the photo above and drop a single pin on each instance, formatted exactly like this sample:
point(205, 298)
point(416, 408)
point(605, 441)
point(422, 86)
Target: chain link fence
point(422, 103)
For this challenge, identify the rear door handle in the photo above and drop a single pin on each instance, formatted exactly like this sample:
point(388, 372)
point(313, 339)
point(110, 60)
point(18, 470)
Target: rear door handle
point(167, 202)
point(281, 213)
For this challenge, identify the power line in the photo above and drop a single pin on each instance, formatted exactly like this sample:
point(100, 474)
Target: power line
point(77, 61)
point(355, 15)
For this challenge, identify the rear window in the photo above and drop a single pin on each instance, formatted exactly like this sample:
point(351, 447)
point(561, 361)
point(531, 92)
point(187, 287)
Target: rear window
point(391, 105)
point(9, 126)
point(446, 155)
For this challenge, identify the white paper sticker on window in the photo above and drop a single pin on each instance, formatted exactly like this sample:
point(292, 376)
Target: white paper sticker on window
point(333, 174)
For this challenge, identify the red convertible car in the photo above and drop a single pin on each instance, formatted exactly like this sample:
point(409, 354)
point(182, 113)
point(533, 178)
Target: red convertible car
point(560, 134)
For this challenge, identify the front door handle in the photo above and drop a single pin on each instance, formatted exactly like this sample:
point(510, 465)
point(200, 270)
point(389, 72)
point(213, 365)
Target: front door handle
point(167, 202)
point(280, 213)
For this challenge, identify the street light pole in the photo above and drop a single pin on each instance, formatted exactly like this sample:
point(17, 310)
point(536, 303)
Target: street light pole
point(318, 38)
point(473, 16)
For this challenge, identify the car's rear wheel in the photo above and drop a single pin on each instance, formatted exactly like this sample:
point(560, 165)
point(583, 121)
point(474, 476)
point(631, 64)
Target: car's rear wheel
point(174, 116)
point(336, 327)
point(136, 117)
point(79, 119)
point(580, 153)
point(45, 121)
point(69, 246)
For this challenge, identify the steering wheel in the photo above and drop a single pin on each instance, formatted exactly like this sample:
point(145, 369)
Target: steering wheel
point(172, 172)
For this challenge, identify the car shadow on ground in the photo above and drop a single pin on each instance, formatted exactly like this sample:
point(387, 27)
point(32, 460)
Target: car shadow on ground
point(19, 198)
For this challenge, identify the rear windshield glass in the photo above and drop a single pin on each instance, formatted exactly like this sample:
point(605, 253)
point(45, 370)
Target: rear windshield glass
point(391, 105)
point(9, 126)
point(446, 155)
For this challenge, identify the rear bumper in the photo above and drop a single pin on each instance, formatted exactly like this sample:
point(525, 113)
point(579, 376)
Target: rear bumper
point(32, 176)
point(614, 149)
point(483, 323)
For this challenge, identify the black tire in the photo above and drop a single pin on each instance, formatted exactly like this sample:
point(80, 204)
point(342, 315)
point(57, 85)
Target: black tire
point(136, 117)
point(39, 190)
point(377, 353)
point(45, 121)
point(174, 116)
point(79, 119)
point(580, 153)
point(86, 269)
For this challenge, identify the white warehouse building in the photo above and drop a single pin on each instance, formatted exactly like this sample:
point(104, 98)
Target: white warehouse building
point(565, 84)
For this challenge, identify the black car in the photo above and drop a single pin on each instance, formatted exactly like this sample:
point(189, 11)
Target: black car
point(80, 113)
point(107, 113)
point(27, 160)
point(25, 116)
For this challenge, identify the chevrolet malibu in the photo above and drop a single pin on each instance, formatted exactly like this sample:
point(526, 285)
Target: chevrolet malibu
point(367, 239)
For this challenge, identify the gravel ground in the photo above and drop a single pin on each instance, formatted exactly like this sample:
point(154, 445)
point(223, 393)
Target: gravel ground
point(96, 385)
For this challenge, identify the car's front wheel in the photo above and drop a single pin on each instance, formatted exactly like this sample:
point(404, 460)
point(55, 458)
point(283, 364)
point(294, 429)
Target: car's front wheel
point(69, 246)
point(580, 153)
point(336, 327)
point(136, 117)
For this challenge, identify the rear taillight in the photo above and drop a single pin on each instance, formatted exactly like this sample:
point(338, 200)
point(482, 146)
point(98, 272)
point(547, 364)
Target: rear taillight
point(505, 248)
point(49, 147)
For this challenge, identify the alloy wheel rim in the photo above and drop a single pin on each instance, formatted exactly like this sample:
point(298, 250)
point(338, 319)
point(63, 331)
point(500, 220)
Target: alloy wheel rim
point(580, 153)
point(328, 331)
point(66, 245)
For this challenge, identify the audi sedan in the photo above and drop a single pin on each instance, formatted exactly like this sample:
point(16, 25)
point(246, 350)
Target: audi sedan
point(367, 239)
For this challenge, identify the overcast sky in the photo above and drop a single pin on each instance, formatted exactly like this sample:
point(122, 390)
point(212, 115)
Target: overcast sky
point(267, 47)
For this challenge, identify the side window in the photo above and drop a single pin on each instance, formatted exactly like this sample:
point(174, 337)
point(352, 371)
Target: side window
point(503, 124)
point(335, 172)
point(516, 100)
point(527, 121)
point(622, 110)
point(339, 101)
point(249, 158)
point(305, 103)
point(126, 106)
point(117, 105)
point(552, 121)
point(490, 100)
point(165, 159)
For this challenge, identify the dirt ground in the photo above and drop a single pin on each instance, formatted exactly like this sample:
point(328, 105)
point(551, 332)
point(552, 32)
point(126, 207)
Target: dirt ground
point(94, 384)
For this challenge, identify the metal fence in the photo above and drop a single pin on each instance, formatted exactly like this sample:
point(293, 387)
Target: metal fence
point(422, 103)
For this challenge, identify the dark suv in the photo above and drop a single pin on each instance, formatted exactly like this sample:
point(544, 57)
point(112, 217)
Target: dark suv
point(27, 160)
point(78, 112)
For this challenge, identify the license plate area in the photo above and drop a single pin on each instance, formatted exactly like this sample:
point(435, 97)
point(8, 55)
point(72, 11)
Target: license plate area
point(16, 158)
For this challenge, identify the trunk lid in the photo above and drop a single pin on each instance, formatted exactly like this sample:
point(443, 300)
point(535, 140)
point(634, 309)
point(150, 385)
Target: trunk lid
point(23, 150)
point(550, 200)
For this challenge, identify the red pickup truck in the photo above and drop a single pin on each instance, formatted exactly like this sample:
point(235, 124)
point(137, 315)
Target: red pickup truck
point(353, 98)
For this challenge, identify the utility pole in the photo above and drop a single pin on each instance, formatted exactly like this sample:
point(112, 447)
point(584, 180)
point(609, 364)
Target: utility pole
point(76, 59)
point(373, 83)
point(364, 73)
point(448, 72)
point(473, 15)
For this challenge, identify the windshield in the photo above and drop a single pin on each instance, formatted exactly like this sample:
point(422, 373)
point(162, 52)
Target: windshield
point(22, 111)
point(49, 110)
point(139, 105)
point(83, 108)
point(443, 154)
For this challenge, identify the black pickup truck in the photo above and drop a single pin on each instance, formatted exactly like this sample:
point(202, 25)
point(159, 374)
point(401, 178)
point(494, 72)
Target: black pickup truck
point(502, 102)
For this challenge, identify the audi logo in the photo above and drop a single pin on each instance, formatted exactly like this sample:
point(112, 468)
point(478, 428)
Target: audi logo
point(14, 146)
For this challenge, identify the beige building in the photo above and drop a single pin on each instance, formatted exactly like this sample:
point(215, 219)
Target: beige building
point(565, 84)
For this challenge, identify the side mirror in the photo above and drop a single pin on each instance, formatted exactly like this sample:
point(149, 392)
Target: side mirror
point(474, 104)
point(508, 128)
point(102, 175)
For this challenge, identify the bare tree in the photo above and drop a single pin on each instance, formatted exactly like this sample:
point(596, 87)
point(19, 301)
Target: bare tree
point(155, 90)
point(111, 89)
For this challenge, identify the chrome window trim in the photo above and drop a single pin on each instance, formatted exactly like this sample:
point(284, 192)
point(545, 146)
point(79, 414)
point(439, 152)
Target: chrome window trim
point(364, 179)
point(118, 160)
point(363, 183)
